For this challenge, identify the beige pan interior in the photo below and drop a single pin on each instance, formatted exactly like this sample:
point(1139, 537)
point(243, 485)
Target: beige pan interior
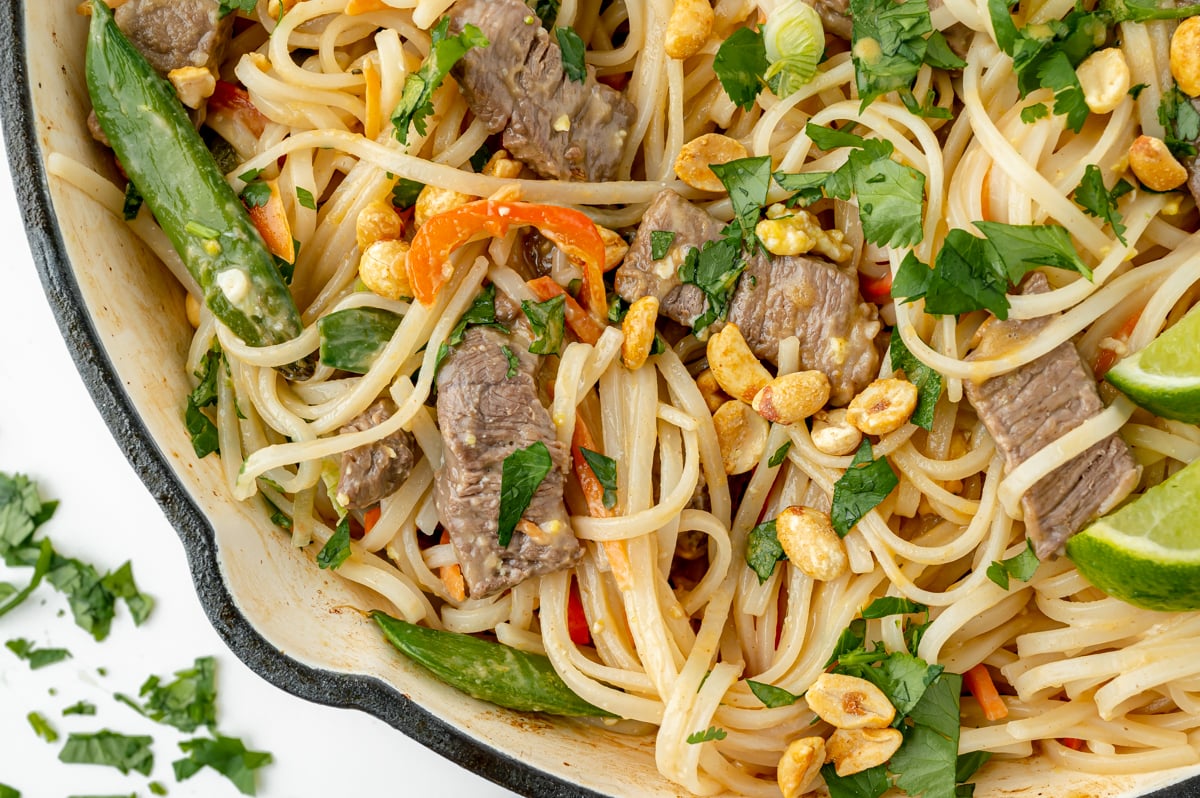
point(137, 308)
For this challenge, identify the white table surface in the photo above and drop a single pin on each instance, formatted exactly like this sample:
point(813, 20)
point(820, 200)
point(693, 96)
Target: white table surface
point(50, 430)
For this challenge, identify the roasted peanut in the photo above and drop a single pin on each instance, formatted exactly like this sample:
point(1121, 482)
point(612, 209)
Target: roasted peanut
point(381, 268)
point(738, 371)
point(832, 434)
point(615, 247)
point(714, 397)
point(855, 750)
point(191, 306)
point(799, 765)
point(500, 165)
point(848, 702)
point(794, 231)
point(688, 28)
point(638, 328)
point(1185, 56)
point(1154, 165)
point(884, 406)
point(434, 200)
point(377, 221)
point(808, 539)
point(193, 84)
point(791, 398)
point(695, 157)
point(741, 434)
point(1104, 76)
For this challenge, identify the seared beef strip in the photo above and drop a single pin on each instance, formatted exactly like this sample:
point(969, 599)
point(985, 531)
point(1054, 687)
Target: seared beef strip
point(1027, 409)
point(775, 298)
point(484, 416)
point(371, 472)
point(560, 128)
point(176, 33)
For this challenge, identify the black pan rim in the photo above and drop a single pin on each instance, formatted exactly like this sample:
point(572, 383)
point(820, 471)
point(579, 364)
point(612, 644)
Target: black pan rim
point(364, 693)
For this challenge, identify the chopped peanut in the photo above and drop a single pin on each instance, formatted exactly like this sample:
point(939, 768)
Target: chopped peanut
point(615, 248)
point(500, 165)
point(193, 85)
point(848, 702)
point(799, 766)
point(855, 750)
point(832, 434)
point(884, 406)
point(191, 306)
point(381, 268)
point(688, 28)
point(434, 200)
point(791, 398)
point(695, 157)
point(1104, 76)
point(794, 231)
point(638, 328)
point(811, 544)
point(738, 371)
point(1185, 56)
point(714, 397)
point(1154, 165)
point(377, 221)
point(742, 436)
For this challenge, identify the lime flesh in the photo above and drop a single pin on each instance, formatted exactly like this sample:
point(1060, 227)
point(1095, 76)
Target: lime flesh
point(1148, 552)
point(1164, 377)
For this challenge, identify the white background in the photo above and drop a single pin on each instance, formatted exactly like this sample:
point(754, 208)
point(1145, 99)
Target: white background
point(50, 430)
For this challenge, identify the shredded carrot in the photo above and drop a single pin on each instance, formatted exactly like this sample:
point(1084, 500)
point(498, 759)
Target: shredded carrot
point(593, 492)
point(583, 325)
point(452, 577)
point(371, 518)
point(1107, 357)
point(1074, 743)
point(986, 195)
point(270, 219)
point(979, 681)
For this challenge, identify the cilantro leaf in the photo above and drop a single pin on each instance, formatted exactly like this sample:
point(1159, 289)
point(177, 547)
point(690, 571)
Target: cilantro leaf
point(337, 549)
point(305, 198)
point(747, 180)
point(481, 313)
point(712, 733)
point(807, 185)
point(514, 364)
point(605, 470)
point(352, 339)
point(1022, 567)
point(520, 475)
point(1177, 113)
point(927, 760)
point(771, 695)
point(405, 192)
point(763, 550)
point(967, 765)
point(1058, 73)
point(780, 454)
point(123, 752)
point(660, 243)
point(887, 45)
point(200, 427)
point(226, 755)
point(187, 702)
point(714, 269)
point(121, 585)
point(256, 194)
point(870, 783)
point(41, 727)
point(227, 7)
point(740, 64)
point(41, 566)
point(36, 657)
point(1098, 201)
point(927, 380)
point(80, 708)
point(572, 54)
point(1023, 247)
point(851, 639)
point(133, 202)
point(1032, 113)
point(887, 606)
point(416, 99)
point(547, 320)
point(866, 483)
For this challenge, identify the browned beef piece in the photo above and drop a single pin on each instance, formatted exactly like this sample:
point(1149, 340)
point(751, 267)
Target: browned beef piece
point(640, 275)
point(485, 416)
point(176, 33)
point(370, 473)
point(560, 128)
point(817, 302)
point(835, 17)
point(1035, 405)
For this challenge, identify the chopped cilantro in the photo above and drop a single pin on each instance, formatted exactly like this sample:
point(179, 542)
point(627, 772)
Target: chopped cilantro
point(780, 454)
point(1177, 113)
point(889, 45)
point(547, 12)
point(1098, 201)
point(42, 727)
point(513, 363)
point(200, 427)
point(660, 243)
point(1135, 91)
point(740, 64)
point(416, 99)
point(715, 269)
point(227, 7)
point(1032, 113)
point(133, 202)
point(747, 180)
point(36, 657)
point(617, 308)
point(866, 483)
point(256, 194)
point(573, 50)
point(123, 752)
point(869, 783)
point(927, 380)
point(770, 695)
point(121, 585)
point(226, 755)
point(405, 192)
point(605, 470)
point(187, 703)
point(337, 548)
point(763, 550)
point(482, 313)
point(1022, 567)
point(80, 708)
point(711, 733)
point(156, 788)
point(892, 605)
point(547, 320)
point(305, 198)
point(523, 470)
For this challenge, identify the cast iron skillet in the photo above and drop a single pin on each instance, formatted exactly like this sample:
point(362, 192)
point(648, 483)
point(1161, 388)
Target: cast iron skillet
point(364, 693)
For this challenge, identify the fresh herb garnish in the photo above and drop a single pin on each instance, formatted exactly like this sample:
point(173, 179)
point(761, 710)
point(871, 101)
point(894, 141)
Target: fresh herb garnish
point(42, 727)
point(605, 470)
point(1022, 567)
point(747, 180)
point(547, 320)
point(927, 380)
point(1177, 113)
point(337, 548)
point(888, 46)
point(740, 64)
point(1032, 113)
point(200, 427)
point(770, 695)
point(80, 708)
point(123, 752)
point(405, 192)
point(9, 792)
point(572, 54)
point(660, 243)
point(711, 733)
point(715, 268)
point(156, 788)
point(1098, 201)
point(226, 755)
point(187, 702)
point(887, 606)
point(482, 313)
point(36, 657)
point(227, 7)
point(763, 550)
point(866, 483)
point(514, 363)
point(256, 194)
point(306, 198)
point(780, 455)
point(133, 202)
point(416, 100)
point(351, 339)
point(547, 12)
point(523, 470)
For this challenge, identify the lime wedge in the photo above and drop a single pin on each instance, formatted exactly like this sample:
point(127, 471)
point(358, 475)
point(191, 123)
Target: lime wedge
point(1164, 377)
point(1147, 553)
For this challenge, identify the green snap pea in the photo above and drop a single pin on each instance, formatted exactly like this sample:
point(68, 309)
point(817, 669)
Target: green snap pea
point(488, 671)
point(175, 173)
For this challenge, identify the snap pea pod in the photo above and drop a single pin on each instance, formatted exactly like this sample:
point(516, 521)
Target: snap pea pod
point(177, 176)
point(488, 671)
